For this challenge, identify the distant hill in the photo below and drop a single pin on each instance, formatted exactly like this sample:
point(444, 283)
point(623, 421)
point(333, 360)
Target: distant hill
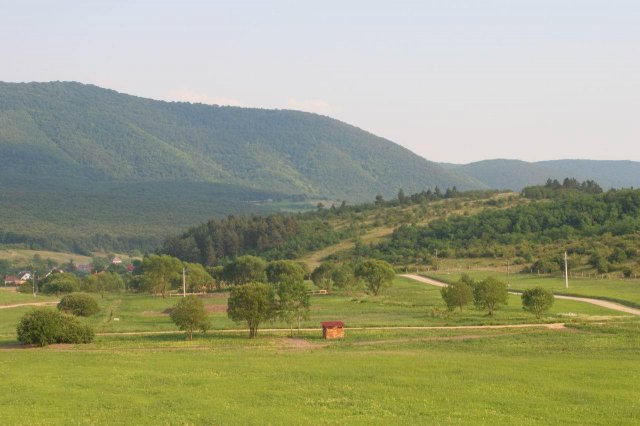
point(516, 174)
point(86, 167)
point(83, 132)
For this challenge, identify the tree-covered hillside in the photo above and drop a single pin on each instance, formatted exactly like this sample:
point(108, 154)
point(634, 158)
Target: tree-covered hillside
point(82, 132)
point(85, 168)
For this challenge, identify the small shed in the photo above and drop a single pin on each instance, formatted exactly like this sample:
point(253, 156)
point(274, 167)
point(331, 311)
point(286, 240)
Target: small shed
point(333, 329)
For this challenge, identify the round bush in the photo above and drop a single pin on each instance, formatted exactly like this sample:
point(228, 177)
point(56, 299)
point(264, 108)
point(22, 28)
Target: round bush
point(44, 326)
point(79, 304)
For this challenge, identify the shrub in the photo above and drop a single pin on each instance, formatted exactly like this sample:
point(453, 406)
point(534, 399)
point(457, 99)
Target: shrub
point(189, 315)
point(537, 301)
point(44, 326)
point(79, 304)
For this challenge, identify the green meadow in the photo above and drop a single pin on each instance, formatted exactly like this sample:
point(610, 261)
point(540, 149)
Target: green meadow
point(585, 373)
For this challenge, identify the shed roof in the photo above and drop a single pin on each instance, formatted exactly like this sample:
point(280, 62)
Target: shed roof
point(332, 324)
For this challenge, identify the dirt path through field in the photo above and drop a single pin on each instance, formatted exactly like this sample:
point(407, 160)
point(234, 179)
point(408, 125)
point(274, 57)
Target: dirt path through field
point(602, 303)
point(19, 305)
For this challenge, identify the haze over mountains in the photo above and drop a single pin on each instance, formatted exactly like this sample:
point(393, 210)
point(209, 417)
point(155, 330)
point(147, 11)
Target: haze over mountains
point(516, 174)
point(87, 167)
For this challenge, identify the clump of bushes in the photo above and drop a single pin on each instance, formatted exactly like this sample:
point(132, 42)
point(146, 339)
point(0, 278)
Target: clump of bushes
point(79, 304)
point(45, 326)
point(537, 301)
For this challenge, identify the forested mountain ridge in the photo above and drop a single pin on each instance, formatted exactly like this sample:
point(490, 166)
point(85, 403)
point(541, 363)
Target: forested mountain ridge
point(83, 132)
point(517, 174)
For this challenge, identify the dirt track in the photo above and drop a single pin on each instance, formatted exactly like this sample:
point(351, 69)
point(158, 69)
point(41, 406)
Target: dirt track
point(18, 305)
point(602, 303)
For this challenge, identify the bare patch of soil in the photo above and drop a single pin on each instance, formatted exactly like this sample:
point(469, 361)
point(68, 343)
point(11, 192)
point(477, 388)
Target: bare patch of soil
point(300, 344)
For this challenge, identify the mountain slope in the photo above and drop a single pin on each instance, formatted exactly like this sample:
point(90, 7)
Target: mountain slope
point(84, 168)
point(84, 132)
point(516, 174)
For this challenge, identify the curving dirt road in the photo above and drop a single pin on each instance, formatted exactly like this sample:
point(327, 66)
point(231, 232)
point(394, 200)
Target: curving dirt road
point(602, 303)
point(18, 305)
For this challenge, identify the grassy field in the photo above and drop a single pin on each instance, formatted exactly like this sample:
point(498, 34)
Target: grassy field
point(619, 290)
point(587, 374)
point(406, 303)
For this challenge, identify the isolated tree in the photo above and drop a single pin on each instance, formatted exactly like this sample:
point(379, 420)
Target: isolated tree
point(245, 269)
point(401, 197)
point(79, 304)
point(537, 301)
point(489, 294)
point(377, 274)
point(457, 294)
point(197, 278)
point(293, 302)
point(281, 271)
point(253, 303)
point(189, 314)
point(322, 276)
point(162, 271)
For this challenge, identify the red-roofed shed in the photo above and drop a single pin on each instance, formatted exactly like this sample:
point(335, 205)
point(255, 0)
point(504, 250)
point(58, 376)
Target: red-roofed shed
point(332, 329)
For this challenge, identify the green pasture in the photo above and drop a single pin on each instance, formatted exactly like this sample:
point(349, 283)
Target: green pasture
point(406, 303)
point(587, 374)
point(622, 290)
point(9, 297)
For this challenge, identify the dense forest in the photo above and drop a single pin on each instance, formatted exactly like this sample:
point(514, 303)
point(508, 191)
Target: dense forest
point(275, 236)
point(288, 236)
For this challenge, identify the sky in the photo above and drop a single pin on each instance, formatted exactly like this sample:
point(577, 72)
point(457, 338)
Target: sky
point(452, 80)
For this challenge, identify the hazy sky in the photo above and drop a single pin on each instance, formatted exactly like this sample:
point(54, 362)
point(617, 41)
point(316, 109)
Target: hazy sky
point(452, 80)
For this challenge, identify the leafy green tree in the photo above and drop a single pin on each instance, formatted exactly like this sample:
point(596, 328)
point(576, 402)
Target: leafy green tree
point(5, 267)
point(253, 303)
point(245, 269)
point(162, 271)
point(377, 274)
point(79, 304)
point(293, 302)
point(281, 271)
point(60, 283)
point(197, 278)
point(108, 282)
point(537, 301)
point(457, 294)
point(344, 278)
point(100, 263)
point(489, 294)
point(322, 276)
point(189, 314)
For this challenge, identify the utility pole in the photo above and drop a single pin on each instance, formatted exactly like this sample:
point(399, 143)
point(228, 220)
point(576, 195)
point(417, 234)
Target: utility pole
point(566, 271)
point(436, 259)
point(184, 282)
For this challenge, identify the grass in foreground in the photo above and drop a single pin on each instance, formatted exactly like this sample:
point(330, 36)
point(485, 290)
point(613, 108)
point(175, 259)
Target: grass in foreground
point(584, 375)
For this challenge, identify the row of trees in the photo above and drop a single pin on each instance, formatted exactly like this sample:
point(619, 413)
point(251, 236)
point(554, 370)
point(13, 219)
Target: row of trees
point(491, 293)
